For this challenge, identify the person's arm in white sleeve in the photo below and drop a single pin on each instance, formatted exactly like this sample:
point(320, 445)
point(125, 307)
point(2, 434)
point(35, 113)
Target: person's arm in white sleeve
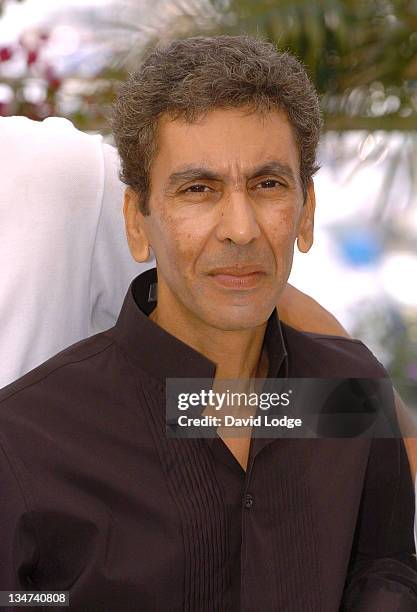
point(65, 267)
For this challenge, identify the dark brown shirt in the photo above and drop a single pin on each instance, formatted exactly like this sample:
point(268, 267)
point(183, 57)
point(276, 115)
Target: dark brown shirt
point(97, 500)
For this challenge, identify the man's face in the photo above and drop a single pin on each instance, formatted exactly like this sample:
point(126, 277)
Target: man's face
point(226, 206)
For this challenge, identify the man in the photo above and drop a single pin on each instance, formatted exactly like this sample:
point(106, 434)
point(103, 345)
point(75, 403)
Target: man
point(217, 138)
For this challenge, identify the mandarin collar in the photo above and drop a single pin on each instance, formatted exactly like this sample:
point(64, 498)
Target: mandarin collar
point(161, 354)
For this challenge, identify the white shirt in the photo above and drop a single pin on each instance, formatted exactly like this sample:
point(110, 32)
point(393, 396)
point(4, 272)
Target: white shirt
point(65, 264)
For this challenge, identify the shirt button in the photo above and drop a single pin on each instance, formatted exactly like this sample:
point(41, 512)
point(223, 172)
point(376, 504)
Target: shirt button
point(248, 501)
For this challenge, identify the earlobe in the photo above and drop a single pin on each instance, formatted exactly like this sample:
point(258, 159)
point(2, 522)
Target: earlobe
point(135, 229)
point(305, 237)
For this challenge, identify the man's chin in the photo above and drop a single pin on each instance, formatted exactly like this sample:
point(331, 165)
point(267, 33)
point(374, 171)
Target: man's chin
point(238, 319)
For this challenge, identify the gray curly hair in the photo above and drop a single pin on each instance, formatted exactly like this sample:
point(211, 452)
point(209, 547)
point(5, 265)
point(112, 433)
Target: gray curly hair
point(192, 76)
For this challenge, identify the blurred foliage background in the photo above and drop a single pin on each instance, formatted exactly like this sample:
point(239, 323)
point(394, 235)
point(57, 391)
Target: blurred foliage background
point(361, 55)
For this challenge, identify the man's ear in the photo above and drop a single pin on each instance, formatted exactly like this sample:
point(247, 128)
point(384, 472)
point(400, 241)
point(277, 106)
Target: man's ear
point(135, 227)
point(305, 236)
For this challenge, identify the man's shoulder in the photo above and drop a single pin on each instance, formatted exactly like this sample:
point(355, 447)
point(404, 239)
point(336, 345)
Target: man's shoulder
point(315, 354)
point(64, 366)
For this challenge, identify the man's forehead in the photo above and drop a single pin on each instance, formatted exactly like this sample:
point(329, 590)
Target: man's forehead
point(227, 141)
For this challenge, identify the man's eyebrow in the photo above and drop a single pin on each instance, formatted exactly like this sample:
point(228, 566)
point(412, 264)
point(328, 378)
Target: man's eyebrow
point(193, 173)
point(273, 167)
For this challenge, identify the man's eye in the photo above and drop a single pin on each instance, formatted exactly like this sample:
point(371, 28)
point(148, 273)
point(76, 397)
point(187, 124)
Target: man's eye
point(197, 189)
point(268, 184)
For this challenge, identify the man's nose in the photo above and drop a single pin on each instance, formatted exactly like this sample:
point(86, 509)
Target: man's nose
point(238, 221)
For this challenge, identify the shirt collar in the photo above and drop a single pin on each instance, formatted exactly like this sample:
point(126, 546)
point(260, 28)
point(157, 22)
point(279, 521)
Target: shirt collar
point(161, 354)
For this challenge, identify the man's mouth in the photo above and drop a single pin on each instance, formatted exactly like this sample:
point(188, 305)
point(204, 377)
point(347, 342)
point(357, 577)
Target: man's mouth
point(238, 277)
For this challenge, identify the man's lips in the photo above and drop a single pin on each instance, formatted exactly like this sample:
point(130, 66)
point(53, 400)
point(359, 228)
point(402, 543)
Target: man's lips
point(245, 277)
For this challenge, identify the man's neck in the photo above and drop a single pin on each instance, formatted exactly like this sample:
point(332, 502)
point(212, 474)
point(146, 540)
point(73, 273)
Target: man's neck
point(237, 354)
